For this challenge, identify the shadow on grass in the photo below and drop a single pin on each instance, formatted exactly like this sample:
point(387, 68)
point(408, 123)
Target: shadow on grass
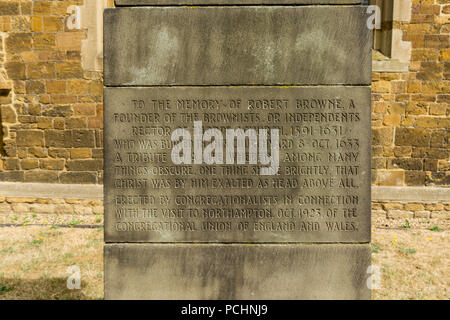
point(40, 289)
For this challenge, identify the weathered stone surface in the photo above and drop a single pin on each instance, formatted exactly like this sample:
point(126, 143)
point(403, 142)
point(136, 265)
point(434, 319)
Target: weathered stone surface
point(237, 45)
point(229, 2)
point(320, 192)
point(228, 272)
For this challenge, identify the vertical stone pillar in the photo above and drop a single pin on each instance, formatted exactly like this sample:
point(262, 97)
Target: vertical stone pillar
point(237, 149)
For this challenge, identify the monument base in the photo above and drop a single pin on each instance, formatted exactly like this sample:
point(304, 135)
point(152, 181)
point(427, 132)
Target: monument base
point(237, 271)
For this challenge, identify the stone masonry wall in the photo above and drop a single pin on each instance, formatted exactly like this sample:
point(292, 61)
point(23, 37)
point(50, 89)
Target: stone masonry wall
point(410, 111)
point(51, 108)
point(52, 117)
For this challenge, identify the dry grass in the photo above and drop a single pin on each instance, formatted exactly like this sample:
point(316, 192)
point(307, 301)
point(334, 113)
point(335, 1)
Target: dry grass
point(34, 262)
point(414, 262)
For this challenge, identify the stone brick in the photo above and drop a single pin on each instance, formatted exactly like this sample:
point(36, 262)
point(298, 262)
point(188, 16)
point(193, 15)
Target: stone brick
point(44, 123)
point(436, 41)
point(404, 151)
point(378, 163)
point(405, 163)
point(446, 9)
point(80, 153)
point(57, 111)
point(63, 209)
point(40, 70)
point(28, 164)
point(95, 122)
point(390, 177)
point(68, 70)
point(421, 214)
point(8, 114)
point(82, 210)
point(381, 86)
point(85, 165)
point(41, 176)
point(430, 165)
point(83, 138)
point(15, 70)
point(76, 123)
point(439, 215)
point(412, 137)
point(20, 23)
point(444, 54)
point(19, 42)
point(58, 153)
point(96, 88)
point(77, 86)
point(20, 208)
point(63, 99)
point(34, 87)
point(37, 152)
point(438, 109)
point(11, 164)
point(434, 206)
point(9, 8)
point(399, 214)
point(42, 208)
point(391, 120)
point(58, 138)
point(36, 24)
point(5, 208)
point(415, 178)
point(51, 164)
point(393, 206)
point(382, 136)
point(78, 177)
point(13, 176)
point(414, 206)
point(28, 138)
point(42, 8)
point(52, 24)
point(56, 86)
point(44, 41)
point(85, 109)
point(70, 41)
point(439, 139)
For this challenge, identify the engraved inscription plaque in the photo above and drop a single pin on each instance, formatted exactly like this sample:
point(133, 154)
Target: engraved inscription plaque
point(237, 164)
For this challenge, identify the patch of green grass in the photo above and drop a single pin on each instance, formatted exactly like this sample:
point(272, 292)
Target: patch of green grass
point(407, 225)
point(36, 242)
point(375, 247)
point(54, 227)
point(67, 255)
point(7, 250)
point(5, 288)
point(26, 268)
point(34, 215)
point(74, 222)
point(98, 219)
point(434, 228)
point(13, 218)
point(410, 251)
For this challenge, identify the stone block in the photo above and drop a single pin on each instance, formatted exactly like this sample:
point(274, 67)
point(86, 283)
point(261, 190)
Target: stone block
point(237, 45)
point(236, 271)
point(259, 203)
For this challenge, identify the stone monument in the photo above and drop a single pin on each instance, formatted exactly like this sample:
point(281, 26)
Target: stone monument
point(237, 149)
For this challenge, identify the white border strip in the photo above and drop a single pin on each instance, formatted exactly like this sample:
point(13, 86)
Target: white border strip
point(95, 192)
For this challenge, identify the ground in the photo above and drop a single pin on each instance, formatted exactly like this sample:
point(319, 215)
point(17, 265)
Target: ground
point(413, 257)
